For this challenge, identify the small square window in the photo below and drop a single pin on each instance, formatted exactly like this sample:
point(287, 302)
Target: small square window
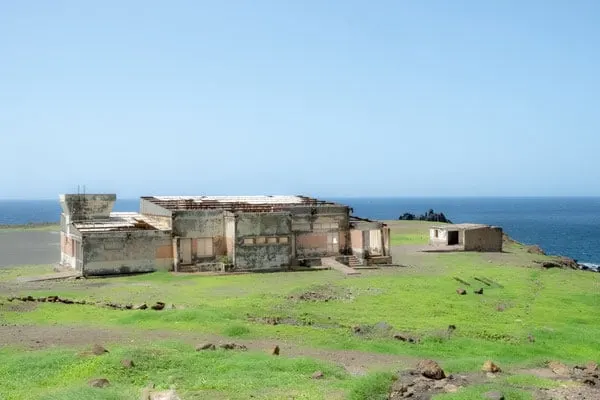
point(248, 241)
point(272, 240)
point(260, 240)
point(283, 240)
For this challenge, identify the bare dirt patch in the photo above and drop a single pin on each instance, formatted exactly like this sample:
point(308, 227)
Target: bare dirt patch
point(323, 293)
point(42, 337)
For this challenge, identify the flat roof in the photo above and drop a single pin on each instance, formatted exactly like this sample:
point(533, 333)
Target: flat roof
point(451, 227)
point(247, 203)
point(118, 221)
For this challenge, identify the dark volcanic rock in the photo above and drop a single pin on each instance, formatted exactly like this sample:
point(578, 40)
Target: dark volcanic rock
point(430, 216)
point(559, 262)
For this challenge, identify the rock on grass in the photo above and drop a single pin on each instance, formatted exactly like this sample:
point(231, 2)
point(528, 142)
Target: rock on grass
point(430, 369)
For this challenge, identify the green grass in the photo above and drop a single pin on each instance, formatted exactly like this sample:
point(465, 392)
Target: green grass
point(530, 381)
point(476, 392)
point(12, 273)
point(558, 307)
point(63, 374)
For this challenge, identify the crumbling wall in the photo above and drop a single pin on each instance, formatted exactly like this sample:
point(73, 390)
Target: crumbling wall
point(122, 252)
point(78, 207)
point(483, 239)
point(198, 223)
point(262, 240)
point(320, 231)
point(356, 238)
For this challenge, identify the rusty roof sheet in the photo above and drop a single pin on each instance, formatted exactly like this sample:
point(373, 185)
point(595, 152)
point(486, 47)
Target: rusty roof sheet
point(245, 203)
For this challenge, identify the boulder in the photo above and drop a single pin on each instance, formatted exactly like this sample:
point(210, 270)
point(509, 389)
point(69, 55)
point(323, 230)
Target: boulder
point(127, 363)
point(142, 306)
point(158, 306)
point(493, 396)
point(559, 368)
point(592, 366)
point(430, 369)
point(99, 383)
point(275, 351)
point(461, 291)
point(478, 291)
point(205, 346)
point(318, 375)
point(98, 350)
point(489, 366)
point(148, 394)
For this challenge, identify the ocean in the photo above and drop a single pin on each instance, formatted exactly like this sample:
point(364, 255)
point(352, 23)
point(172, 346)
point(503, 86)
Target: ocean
point(561, 226)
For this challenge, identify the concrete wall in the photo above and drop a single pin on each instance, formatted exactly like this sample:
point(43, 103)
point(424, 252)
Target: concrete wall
point(70, 251)
point(267, 255)
point(441, 239)
point(118, 252)
point(147, 207)
point(198, 223)
point(483, 239)
point(356, 238)
point(77, 207)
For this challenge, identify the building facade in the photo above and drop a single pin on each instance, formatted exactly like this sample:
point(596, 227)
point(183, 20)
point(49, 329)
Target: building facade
point(467, 237)
point(197, 233)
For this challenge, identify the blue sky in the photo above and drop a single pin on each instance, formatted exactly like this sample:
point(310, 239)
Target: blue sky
point(330, 98)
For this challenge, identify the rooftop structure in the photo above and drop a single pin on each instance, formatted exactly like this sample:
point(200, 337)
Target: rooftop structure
point(233, 203)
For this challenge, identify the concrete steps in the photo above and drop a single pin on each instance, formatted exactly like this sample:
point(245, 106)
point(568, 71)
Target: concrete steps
point(354, 262)
point(338, 266)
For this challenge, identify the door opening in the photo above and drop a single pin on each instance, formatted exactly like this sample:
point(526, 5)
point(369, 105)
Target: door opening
point(452, 238)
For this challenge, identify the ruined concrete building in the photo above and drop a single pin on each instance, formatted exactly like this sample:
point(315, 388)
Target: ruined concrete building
point(467, 237)
point(214, 233)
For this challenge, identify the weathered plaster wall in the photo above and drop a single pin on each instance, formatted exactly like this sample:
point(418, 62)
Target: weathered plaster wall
point(126, 252)
point(198, 223)
point(356, 239)
point(483, 239)
point(70, 250)
point(441, 239)
point(78, 207)
point(265, 255)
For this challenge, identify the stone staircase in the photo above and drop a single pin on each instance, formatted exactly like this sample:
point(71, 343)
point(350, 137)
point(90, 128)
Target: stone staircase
point(353, 262)
point(203, 267)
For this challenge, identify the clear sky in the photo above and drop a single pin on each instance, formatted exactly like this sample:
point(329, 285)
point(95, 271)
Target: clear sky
point(330, 98)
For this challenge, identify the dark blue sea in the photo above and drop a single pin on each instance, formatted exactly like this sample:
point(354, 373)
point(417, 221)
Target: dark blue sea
point(562, 226)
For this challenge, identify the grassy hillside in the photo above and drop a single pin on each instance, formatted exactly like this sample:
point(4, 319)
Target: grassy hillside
point(524, 317)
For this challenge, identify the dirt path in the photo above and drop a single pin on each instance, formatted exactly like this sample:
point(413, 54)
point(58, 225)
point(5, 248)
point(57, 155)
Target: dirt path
point(42, 337)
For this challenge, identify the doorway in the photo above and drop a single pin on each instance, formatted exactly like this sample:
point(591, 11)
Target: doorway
point(452, 238)
point(185, 251)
